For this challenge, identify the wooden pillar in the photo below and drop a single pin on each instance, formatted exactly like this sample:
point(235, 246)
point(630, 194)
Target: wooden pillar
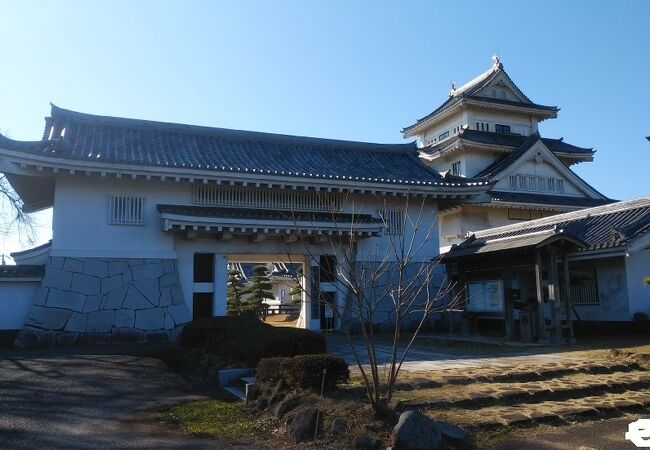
point(556, 316)
point(541, 323)
point(509, 322)
point(567, 295)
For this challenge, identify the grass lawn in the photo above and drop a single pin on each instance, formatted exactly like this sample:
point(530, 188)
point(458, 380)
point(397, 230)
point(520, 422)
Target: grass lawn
point(215, 417)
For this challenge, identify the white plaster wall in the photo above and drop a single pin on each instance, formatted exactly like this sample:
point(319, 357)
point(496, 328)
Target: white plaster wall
point(16, 298)
point(80, 218)
point(612, 292)
point(520, 123)
point(447, 125)
point(637, 267)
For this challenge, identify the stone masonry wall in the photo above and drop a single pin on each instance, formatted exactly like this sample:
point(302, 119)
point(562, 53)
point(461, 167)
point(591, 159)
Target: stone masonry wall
point(105, 300)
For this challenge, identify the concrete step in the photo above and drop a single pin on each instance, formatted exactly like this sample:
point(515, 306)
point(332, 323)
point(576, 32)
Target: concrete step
point(482, 395)
point(237, 392)
point(551, 412)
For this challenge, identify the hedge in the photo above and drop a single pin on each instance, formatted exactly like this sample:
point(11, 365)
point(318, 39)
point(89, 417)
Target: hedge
point(304, 371)
point(247, 339)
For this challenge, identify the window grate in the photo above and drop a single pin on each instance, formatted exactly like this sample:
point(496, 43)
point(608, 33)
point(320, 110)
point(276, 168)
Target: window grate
point(584, 286)
point(393, 221)
point(125, 210)
point(246, 197)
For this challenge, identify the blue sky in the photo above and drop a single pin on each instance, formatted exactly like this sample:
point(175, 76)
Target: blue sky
point(358, 70)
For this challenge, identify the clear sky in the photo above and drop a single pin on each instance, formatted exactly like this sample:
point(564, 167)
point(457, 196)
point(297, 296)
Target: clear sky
point(358, 70)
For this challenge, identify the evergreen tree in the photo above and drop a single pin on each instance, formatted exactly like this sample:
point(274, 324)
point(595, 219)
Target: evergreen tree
point(258, 290)
point(236, 288)
point(296, 292)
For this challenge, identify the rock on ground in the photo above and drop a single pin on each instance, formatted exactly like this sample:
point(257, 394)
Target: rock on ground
point(415, 431)
point(304, 424)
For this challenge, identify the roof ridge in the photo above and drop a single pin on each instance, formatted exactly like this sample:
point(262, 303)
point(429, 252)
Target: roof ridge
point(624, 205)
point(121, 122)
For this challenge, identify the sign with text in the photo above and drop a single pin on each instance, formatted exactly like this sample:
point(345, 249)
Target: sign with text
point(485, 296)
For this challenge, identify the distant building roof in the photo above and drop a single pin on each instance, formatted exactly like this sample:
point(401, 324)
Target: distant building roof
point(547, 199)
point(22, 271)
point(602, 227)
point(468, 91)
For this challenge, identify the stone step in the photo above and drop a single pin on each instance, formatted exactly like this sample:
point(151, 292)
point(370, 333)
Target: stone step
point(551, 412)
point(526, 373)
point(236, 391)
point(482, 395)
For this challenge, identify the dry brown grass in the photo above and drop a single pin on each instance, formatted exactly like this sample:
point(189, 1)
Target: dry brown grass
point(282, 320)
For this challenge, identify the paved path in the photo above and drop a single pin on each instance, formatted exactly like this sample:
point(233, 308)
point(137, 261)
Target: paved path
point(419, 360)
point(72, 399)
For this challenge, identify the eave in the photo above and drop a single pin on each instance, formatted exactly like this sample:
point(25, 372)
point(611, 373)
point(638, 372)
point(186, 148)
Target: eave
point(39, 165)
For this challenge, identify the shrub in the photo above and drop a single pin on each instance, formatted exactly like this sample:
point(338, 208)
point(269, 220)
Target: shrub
point(270, 370)
point(246, 339)
point(306, 371)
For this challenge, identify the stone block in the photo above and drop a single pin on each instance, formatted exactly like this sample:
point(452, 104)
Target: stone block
point(47, 318)
point(96, 268)
point(66, 339)
point(92, 303)
point(169, 322)
point(100, 321)
point(135, 262)
point(152, 260)
point(73, 265)
point(33, 337)
point(76, 323)
point(117, 267)
point(127, 276)
point(180, 314)
point(124, 318)
point(57, 262)
point(150, 319)
point(146, 271)
point(85, 284)
point(111, 283)
point(135, 300)
point(41, 296)
point(177, 295)
point(115, 299)
point(169, 265)
point(150, 289)
point(168, 279)
point(165, 298)
point(94, 338)
point(57, 279)
point(64, 299)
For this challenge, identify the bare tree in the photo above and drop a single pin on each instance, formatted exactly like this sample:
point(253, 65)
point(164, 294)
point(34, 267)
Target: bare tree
point(396, 281)
point(13, 219)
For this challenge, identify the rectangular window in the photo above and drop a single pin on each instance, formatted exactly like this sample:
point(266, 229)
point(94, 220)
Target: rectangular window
point(455, 168)
point(584, 285)
point(532, 183)
point(503, 129)
point(444, 135)
point(203, 267)
point(513, 181)
point(327, 269)
point(482, 126)
point(541, 184)
point(125, 210)
point(393, 221)
point(560, 185)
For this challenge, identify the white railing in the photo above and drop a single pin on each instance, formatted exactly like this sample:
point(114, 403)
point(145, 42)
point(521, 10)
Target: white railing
point(250, 197)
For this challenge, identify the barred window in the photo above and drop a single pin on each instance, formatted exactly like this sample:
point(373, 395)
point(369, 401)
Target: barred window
point(393, 221)
point(125, 210)
point(455, 168)
point(584, 285)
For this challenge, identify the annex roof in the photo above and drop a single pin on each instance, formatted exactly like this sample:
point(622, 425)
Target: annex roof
point(102, 140)
point(469, 91)
point(531, 199)
point(602, 227)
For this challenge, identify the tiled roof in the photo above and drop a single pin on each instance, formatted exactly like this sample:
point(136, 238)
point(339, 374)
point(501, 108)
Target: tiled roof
point(265, 214)
point(602, 227)
point(505, 162)
point(507, 140)
point(22, 271)
point(166, 145)
point(467, 92)
point(546, 199)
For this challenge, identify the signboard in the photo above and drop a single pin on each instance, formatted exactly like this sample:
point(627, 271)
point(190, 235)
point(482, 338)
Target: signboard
point(485, 296)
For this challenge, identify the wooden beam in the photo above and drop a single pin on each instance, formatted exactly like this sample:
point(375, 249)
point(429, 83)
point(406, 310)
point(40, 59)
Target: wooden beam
point(556, 316)
point(225, 236)
point(541, 322)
